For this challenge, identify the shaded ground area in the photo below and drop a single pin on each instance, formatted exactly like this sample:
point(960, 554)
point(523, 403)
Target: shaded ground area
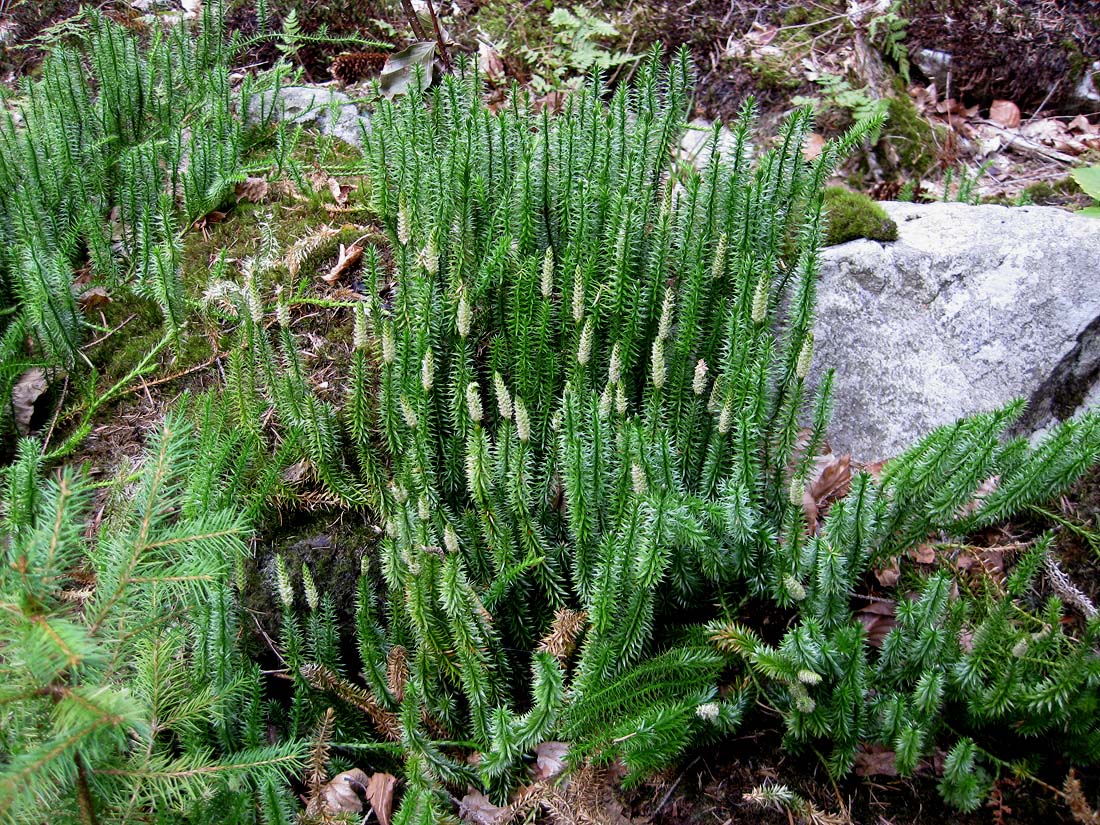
point(710, 787)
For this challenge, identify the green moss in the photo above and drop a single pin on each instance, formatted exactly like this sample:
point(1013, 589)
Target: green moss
point(774, 73)
point(913, 137)
point(1051, 193)
point(139, 327)
point(854, 215)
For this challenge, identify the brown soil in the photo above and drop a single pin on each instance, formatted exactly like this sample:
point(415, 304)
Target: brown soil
point(1027, 51)
point(709, 787)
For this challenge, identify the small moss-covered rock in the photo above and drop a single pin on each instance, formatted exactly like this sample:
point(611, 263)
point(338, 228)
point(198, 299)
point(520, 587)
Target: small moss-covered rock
point(854, 215)
point(911, 135)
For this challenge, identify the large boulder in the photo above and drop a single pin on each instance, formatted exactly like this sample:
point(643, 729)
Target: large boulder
point(971, 307)
point(328, 111)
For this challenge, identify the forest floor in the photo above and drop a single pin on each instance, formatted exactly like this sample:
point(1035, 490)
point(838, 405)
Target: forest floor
point(779, 52)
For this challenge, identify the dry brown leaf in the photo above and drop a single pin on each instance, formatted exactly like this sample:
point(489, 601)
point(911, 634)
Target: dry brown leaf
point(97, 296)
point(923, 554)
point(349, 257)
point(990, 560)
point(1081, 124)
point(876, 760)
point(834, 478)
point(209, 220)
point(831, 480)
point(875, 469)
point(490, 62)
point(878, 619)
point(553, 102)
point(924, 97)
point(950, 106)
point(813, 145)
point(888, 574)
point(1005, 113)
point(253, 189)
point(1046, 130)
point(984, 489)
point(27, 390)
point(761, 35)
point(296, 472)
point(476, 807)
point(966, 641)
point(339, 191)
point(550, 760)
point(346, 792)
point(380, 795)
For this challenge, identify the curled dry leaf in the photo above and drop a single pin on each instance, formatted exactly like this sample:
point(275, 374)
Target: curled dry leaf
point(1005, 113)
point(348, 259)
point(380, 795)
point(296, 472)
point(476, 807)
point(889, 573)
point(550, 760)
point(339, 191)
point(27, 390)
point(876, 760)
point(97, 296)
point(878, 619)
point(252, 189)
point(990, 561)
point(923, 554)
point(984, 489)
point(397, 74)
point(830, 480)
point(813, 146)
point(346, 792)
point(1082, 125)
point(490, 61)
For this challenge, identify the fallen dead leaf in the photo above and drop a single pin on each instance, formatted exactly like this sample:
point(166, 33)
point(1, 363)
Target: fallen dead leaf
point(1005, 113)
point(27, 390)
point(831, 480)
point(296, 472)
point(876, 760)
point(923, 554)
point(875, 469)
point(339, 191)
point(888, 574)
point(1081, 124)
point(476, 807)
point(490, 61)
point(984, 489)
point(380, 795)
point(97, 296)
point(761, 35)
point(348, 258)
point(346, 792)
point(253, 189)
point(812, 147)
point(550, 760)
point(989, 560)
point(878, 619)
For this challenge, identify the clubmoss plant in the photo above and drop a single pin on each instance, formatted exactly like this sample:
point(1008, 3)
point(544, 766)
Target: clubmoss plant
point(576, 405)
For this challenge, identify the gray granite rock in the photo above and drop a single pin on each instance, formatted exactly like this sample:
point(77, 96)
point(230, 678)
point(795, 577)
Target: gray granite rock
point(971, 307)
point(327, 110)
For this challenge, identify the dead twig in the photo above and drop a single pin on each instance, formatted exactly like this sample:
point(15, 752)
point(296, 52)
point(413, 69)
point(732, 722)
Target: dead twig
point(439, 37)
point(414, 20)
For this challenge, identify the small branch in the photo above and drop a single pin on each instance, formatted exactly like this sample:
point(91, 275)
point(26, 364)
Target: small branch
point(84, 794)
point(414, 21)
point(439, 37)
